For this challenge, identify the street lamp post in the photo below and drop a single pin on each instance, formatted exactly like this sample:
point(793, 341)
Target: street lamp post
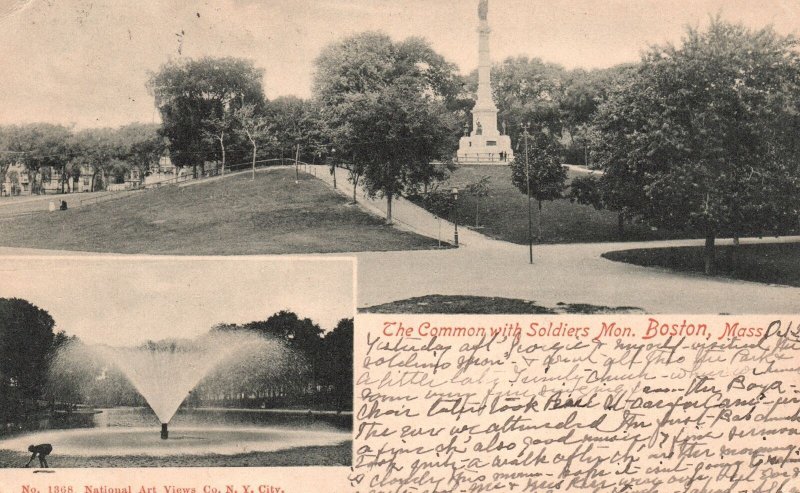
point(296, 164)
point(454, 193)
point(333, 166)
point(528, 179)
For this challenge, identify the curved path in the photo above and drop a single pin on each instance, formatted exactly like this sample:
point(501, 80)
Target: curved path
point(570, 273)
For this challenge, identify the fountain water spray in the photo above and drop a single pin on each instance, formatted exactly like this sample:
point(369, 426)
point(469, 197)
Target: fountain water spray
point(165, 372)
point(219, 365)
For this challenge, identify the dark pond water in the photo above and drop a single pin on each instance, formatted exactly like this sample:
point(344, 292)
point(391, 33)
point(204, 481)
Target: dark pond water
point(134, 417)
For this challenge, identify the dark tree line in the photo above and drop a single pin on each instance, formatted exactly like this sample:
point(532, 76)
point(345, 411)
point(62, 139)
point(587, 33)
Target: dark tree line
point(41, 369)
point(27, 346)
point(698, 138)
point(702, 137)
point(318, 363)
point(214, 110)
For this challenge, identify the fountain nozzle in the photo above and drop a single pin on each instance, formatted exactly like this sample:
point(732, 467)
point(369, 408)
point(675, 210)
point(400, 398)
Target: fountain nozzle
point(164, 431)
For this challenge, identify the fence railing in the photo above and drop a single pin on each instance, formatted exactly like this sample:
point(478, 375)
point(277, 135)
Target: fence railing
point(482, 157)
point(81, 199)
point(177, 179)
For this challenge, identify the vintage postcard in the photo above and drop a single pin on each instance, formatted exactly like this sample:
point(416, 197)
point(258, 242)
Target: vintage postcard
point(266, 246)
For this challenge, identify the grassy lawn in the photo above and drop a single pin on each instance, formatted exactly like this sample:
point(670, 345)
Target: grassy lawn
point(777, 263)
point(234, 216)
point(333, 455)
point(438, 303)
point(504, 213)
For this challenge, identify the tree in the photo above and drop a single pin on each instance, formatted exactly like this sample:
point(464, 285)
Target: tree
point(386, 105)
point(302, 336)
point(140, 145)
point(703, 128)
point(544, 175)
point(603, 194)
point(219, 130)
point(254, 126)
point(581, 94)
point(190, 94)
point(527, 90)
point(297, 128)
point(26, 339)
point(288, 114)
point(38, 146)
point(337, 362)
point(478, 189)
point(95, 149)
point(621, 186)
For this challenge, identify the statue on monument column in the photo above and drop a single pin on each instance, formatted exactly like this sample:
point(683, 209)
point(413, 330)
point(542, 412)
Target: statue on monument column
point(483, 9)
point(478, 129)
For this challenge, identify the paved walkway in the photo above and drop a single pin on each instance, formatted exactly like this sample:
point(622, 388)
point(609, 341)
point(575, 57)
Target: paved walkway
point(20, 206)
point(570, 273)
point(231, 174)
point(583, 170)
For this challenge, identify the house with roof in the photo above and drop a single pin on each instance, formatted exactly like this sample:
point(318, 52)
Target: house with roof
point(16, 181)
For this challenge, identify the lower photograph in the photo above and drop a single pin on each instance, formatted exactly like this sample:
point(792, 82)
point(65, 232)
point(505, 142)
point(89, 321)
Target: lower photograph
point(116, 362)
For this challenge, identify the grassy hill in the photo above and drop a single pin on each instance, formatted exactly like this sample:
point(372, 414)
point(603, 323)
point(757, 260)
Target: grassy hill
point(234, 216)
point(504, 213)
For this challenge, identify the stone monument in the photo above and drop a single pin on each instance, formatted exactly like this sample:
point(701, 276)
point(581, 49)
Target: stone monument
point(485, 144)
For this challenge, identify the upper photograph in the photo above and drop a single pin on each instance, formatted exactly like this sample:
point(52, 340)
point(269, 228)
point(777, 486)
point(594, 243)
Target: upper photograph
point(482, 156)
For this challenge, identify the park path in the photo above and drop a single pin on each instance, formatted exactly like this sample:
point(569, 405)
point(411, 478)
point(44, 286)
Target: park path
point(405, 215)
point(569, 273)
point(18, 206)
point(11, 207)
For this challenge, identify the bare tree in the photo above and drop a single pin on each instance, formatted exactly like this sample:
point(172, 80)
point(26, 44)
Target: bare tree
point(254, 126)
point(217, 130)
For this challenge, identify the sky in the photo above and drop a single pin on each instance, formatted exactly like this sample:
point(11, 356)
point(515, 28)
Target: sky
point(85, 62)
point(104, 300)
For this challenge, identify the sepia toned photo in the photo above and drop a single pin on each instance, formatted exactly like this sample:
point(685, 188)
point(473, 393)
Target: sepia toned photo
point(158, 363)
point(480, 157)
point(274, 246)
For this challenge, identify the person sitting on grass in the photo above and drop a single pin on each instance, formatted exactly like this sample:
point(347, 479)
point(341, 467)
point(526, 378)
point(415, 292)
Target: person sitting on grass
point(42, 450)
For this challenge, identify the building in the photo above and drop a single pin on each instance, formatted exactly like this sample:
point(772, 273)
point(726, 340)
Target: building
point(164, 173)
point(16, 181)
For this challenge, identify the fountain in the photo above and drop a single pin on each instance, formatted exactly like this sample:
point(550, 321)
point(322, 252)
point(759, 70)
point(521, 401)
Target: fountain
point(164, 373)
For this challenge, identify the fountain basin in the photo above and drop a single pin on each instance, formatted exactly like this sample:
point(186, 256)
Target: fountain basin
point(145, 441)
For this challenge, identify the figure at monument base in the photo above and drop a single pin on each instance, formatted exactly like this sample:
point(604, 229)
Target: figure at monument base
point(480, 148)
point(485, 145)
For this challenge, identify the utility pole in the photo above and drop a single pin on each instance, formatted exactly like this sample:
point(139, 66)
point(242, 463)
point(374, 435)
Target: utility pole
point(454, 194)
point(528, 179)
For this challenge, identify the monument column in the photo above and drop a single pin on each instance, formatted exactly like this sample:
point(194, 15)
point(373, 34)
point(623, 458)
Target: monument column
point(484, 145)
point(485, 110)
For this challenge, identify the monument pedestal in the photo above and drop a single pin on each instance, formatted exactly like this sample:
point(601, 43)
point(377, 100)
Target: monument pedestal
point(485, 149)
